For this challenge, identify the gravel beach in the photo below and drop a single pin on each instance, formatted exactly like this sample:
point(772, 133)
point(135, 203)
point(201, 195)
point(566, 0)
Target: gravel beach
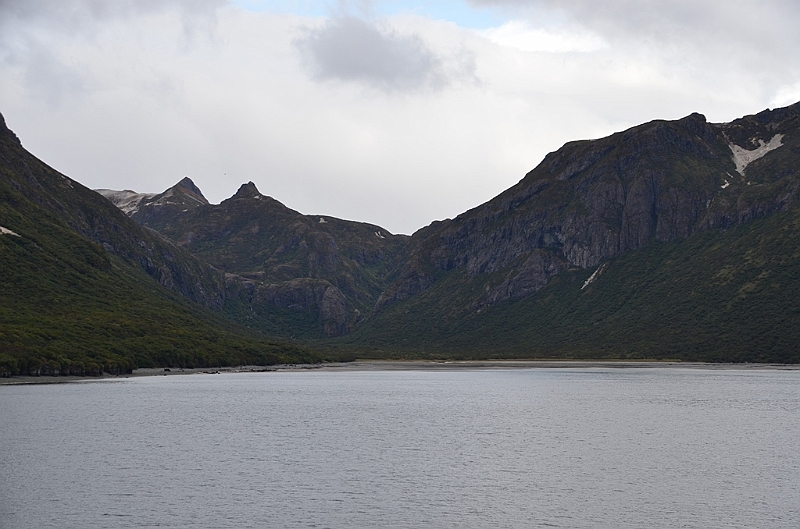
point(398, 365)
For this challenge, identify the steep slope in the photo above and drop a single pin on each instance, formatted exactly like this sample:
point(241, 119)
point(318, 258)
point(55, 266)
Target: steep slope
point(94, 218)
point(592, 201)
point(288, 273)
point(84, 288)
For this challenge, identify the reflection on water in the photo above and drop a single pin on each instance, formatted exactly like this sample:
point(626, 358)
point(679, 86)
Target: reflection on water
point(484, 448)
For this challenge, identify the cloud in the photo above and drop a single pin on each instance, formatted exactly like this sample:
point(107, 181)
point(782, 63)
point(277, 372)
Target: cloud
point(49, 43)
point(786, 95)
point(750, 44)
point(74, 11)
point(23, 21)
point(353, 50)
point(520, 35)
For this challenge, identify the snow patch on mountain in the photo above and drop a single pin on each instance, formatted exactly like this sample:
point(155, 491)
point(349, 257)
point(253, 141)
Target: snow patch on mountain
point(6, 231)
point(594, 276)
point(743, 157)
point(128, 201)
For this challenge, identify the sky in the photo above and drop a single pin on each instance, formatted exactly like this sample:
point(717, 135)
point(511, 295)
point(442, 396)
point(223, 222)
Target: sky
point(393, 112)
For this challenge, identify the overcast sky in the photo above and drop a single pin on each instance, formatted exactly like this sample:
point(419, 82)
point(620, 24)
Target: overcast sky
point(395, 112)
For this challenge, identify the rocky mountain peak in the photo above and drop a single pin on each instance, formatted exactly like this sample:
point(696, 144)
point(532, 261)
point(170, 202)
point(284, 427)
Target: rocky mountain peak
point(248, 190)
point(190, 187)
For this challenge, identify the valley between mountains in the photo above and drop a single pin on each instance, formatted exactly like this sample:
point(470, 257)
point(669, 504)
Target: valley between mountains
point(671, 240)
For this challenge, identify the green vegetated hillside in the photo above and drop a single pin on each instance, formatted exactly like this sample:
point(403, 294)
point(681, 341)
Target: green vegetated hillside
point(720, 296)
point(77, 311)
point(84, 289)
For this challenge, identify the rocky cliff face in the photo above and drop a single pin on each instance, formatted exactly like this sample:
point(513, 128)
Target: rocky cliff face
point(591, 201)
point(311, 295)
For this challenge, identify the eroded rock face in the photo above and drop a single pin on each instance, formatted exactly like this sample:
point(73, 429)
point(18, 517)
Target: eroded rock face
point(592, 201)
point(539, 266)
point(310, 295)
point(412, 282)
point(334, 316)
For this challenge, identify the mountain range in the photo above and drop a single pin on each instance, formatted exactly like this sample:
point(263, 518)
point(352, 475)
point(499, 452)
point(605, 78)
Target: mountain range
point(672, 239)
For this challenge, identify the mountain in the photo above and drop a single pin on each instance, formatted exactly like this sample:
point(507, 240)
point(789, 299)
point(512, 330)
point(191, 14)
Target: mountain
point(672, 239)
point(287, 273)
point(523, 273)
point(592, 201)
point(85, 289)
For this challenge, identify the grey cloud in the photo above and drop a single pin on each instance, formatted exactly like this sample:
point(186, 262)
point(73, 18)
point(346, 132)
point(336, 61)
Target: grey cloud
point(350, 49)
point(53, 81)
point(31, 32)
point(76, 11)
point(84, 17)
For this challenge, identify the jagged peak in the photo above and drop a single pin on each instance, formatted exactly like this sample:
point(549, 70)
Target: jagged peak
point(248, 190)
point(5, 131)
point(187, 185)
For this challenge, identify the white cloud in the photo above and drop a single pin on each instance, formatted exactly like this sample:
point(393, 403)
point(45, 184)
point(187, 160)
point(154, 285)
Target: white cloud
point(518, 34)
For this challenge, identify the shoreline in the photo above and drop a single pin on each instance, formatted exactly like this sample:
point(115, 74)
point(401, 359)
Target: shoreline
point(401, 365)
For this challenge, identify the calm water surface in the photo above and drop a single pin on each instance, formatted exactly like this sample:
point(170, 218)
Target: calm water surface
point(481, 448)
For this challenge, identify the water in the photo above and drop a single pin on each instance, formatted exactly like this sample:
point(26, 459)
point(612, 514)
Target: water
point(481, 448)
